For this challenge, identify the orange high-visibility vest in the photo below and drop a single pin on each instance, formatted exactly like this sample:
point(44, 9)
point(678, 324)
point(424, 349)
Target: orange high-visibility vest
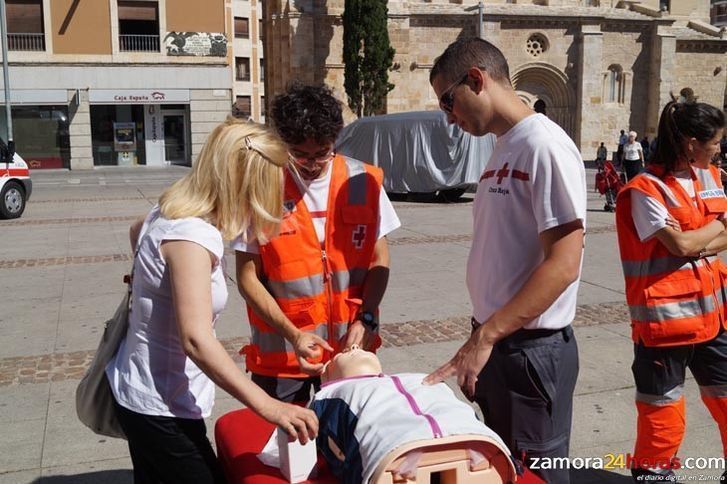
point(318, 288)
point(672, 300)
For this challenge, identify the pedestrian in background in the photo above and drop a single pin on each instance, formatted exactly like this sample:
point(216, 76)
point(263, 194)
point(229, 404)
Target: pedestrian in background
point(164, 373)
point(633, 156)
point(622, 139)
point(645, 148)
point(671, 226)
point(520, 363)
point(601, 153)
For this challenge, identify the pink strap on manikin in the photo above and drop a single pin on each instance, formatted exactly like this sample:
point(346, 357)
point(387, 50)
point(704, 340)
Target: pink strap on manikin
point(436, 430)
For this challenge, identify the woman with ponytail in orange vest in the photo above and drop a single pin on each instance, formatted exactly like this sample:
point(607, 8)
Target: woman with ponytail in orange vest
point(671, 225)
point(315, 289)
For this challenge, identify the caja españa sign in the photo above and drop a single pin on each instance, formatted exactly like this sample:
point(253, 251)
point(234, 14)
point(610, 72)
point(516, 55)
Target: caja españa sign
point(138, 96)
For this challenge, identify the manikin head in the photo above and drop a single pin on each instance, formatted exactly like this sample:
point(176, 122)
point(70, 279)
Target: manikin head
point(351, 363)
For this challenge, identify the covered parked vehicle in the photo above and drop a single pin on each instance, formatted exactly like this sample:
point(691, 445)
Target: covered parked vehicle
point(419, 151)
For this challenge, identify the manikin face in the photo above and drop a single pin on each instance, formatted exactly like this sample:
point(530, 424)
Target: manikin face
point(354, 362)
point(704, 153)
point(311, 158)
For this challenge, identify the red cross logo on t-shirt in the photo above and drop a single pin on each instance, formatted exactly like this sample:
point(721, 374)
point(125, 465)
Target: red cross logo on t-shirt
point(502, 173)
point(359, 235)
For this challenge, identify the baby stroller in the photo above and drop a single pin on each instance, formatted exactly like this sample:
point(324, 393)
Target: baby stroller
point(608, 183)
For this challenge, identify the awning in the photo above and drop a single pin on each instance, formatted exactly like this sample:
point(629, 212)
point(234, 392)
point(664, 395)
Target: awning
point(36, 96)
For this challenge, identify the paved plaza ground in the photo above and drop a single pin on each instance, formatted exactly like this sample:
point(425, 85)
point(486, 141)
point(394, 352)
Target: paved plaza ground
point(61, 268)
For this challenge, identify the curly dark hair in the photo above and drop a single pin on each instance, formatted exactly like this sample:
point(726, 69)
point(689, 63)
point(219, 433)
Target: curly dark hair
point(305, 112)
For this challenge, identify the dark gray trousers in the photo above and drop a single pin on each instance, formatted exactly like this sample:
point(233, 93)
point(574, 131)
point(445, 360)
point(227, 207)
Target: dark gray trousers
point(525, 392)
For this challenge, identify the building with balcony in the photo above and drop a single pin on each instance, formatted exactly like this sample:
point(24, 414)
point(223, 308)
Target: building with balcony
point(116, 82)
point(249, 64)
point(594, 66)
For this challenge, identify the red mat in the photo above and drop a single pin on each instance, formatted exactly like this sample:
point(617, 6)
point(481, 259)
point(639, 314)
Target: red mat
point(241, 435)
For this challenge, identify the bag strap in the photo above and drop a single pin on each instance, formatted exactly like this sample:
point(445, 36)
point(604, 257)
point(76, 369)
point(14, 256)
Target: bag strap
point(129, 278)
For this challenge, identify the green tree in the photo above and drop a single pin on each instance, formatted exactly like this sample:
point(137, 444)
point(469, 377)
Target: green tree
point(367, 55)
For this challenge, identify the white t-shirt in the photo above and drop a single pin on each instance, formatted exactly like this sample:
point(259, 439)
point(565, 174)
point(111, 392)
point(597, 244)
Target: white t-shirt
point(368, 417)
point(315, 197)
point(649, 215)
point(632, 151)
point(534, 181)
point(150, 373)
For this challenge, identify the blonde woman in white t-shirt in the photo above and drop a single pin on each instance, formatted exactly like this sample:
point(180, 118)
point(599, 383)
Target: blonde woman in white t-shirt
point(164, 374)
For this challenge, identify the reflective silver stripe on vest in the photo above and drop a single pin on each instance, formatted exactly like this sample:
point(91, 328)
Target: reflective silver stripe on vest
point(308, 286)
point(707, 180)
point(714, 391)
point(342, 280)
point(274, 343)
point(672, 396)
point(673, 310)
point(356, 182)
point(341, 329)
point(651, 267)
point(671, 199)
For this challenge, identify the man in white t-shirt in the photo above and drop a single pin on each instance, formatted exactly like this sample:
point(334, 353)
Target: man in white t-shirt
point(315, 288)
point(521, 362)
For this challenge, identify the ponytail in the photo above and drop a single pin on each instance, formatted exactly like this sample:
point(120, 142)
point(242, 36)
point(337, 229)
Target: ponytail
point(680, 121)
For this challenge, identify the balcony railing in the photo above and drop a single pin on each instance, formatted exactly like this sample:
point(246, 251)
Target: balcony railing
point(26, 42)
point(139, 43)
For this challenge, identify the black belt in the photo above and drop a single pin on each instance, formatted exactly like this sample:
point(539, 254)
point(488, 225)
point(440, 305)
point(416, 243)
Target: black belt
point(537, 336)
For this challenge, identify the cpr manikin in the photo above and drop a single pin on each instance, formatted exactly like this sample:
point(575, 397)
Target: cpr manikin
point(386, 428)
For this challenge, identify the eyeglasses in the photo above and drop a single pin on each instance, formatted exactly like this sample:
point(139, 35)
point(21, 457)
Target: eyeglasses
point(446, 100)
point(305, 160)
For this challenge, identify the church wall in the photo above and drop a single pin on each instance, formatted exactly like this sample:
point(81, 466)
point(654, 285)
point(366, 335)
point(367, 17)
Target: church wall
point(698, 73)
point(628, 47)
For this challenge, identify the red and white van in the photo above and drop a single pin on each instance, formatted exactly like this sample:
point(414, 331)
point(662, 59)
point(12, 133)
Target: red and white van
point(15, 186)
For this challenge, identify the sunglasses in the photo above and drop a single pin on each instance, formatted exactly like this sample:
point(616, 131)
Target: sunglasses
point(446, 100)
point(305, 160)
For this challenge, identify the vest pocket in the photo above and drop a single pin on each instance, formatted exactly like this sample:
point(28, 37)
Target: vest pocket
point(676, 308)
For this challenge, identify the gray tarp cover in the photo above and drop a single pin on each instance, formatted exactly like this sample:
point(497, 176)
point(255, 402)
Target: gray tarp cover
point(418, 151)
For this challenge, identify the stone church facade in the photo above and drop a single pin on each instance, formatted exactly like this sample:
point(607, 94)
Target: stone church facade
point(595, 67)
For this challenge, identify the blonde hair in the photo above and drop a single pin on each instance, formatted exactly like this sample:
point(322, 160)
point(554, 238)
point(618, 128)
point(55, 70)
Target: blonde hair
point(236, 182)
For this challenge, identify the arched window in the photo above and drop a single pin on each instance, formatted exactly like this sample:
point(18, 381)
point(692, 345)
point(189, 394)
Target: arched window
point(614, 84)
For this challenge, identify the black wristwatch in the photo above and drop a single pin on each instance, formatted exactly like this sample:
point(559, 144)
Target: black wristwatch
point(369, 320)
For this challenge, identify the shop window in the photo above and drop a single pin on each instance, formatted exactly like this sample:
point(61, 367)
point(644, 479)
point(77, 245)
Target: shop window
point(242, 28)
point(41, 135)
point(138, 26)
point(117, 135)
point(614, 84)
point(242, 107)
point(260, 29)
point(25, 25)
point(242, 68)
point(262, 70)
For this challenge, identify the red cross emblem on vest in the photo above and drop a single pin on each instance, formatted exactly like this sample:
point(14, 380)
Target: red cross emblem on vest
point(359, 236)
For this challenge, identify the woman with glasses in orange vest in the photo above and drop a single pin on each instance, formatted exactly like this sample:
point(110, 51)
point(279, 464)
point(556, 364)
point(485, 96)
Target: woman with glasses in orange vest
point(315, 289)
point(671, 224)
